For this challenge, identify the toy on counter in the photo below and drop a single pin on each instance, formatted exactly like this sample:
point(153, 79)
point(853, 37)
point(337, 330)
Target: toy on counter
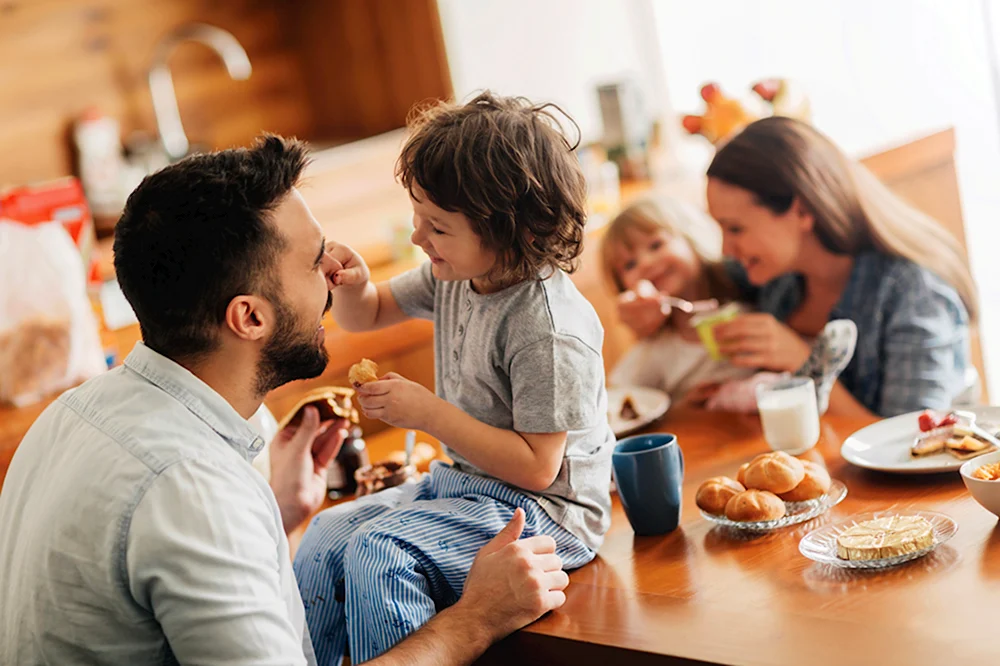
point(786, 98)
point(725, 116)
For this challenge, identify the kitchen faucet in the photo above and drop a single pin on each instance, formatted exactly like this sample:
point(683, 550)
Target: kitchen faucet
point(161, 85)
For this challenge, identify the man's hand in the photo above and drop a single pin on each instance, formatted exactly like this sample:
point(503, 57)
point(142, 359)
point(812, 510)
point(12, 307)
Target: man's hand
point(399, 402)
point(513, 581)
point(299, 457)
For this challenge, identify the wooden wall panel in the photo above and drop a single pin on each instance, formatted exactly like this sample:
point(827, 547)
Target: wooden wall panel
point(369, 61)
point(58, 57)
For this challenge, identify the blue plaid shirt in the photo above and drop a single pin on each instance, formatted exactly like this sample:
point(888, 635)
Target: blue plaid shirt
point(913, 331)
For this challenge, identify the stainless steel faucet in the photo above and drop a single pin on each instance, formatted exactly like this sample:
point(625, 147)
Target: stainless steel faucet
point(161, 85)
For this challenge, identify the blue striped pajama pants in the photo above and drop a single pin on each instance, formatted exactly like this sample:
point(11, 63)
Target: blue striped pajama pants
point(374, 570)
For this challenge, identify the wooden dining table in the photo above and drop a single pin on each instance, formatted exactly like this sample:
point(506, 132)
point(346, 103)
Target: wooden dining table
point(704, 594)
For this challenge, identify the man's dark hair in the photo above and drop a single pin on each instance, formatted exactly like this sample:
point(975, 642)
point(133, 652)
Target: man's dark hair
point(198, 233)
point(505, 164)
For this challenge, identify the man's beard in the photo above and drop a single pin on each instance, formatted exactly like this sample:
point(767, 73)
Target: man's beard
point(290, 354)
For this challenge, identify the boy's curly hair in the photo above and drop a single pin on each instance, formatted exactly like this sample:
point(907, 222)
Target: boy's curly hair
point(505, 164)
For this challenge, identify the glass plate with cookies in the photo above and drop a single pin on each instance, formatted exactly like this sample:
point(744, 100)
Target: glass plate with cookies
point(772, 491)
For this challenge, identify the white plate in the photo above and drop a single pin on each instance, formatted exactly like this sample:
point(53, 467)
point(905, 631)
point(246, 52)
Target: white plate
point(820, 545)
point(649, 403)
point(885, 446)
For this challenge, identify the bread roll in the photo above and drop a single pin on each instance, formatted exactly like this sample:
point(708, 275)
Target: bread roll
point(741, 473)
point(362, 372)
point(775, 472)
point(816, 483)
point(715, 493)
point(754, 506)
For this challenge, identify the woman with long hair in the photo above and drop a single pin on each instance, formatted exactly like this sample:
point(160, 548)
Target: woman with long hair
point(818, 237)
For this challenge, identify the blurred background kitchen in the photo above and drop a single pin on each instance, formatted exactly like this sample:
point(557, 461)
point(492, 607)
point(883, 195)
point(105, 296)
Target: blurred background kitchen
point(105, 91)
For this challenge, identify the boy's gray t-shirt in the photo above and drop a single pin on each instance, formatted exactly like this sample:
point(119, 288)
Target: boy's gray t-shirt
point(527, 359)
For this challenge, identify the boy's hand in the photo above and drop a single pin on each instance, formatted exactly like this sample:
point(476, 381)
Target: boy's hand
point(398, 401)
point(355, 271)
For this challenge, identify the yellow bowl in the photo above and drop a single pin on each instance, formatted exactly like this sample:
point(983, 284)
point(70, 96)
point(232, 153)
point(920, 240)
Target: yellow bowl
point(705, 324)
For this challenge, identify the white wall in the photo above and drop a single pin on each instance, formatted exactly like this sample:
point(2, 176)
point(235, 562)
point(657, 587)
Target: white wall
point(879, 73)
point(547, 50)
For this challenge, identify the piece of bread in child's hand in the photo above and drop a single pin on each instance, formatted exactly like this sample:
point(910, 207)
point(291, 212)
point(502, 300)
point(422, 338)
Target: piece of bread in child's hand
point(363, 372)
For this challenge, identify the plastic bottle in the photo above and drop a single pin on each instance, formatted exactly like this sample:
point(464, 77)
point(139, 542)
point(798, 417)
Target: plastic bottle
point(99, 161)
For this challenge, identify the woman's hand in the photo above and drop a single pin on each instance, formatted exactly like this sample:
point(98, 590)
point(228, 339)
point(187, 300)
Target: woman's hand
point(759, 340)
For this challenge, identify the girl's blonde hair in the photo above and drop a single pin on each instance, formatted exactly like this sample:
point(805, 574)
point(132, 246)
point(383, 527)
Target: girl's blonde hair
point(781, 160)
point(658, 213)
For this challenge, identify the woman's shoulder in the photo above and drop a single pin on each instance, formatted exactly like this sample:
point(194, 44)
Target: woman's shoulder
point(909, 286)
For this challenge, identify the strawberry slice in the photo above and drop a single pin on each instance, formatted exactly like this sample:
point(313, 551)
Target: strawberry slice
point(927, 421)
point(948, 420)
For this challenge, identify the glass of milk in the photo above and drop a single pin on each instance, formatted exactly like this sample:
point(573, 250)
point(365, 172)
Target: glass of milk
point(789, 414)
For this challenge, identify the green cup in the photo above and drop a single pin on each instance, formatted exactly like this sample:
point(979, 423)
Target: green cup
point(706, 322)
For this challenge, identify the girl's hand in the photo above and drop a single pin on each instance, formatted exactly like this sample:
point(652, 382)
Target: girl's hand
point(643, 311)
point(701, 394)
point(399, 402)
point(759, 340)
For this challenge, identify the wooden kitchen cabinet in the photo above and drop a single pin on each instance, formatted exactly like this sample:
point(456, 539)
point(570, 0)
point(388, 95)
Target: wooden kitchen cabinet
point(327, 71)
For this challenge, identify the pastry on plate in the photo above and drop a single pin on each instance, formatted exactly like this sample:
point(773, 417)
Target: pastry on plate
point(387, 474)
point(628, 412)
point(715, 493)
point(931, 442)
point(363, 372)
point(775, 472)
point(813, 485)
point(885, 537)
point(755, 506)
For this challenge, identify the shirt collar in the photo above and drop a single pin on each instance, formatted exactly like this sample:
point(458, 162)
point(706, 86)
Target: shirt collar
point(198, 397)
point(855, 287)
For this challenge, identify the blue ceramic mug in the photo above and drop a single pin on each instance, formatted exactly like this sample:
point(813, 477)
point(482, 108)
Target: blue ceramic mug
point(649, 475)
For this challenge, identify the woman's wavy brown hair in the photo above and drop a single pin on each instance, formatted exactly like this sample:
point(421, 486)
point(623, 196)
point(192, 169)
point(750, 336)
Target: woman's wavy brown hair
point(504, 163)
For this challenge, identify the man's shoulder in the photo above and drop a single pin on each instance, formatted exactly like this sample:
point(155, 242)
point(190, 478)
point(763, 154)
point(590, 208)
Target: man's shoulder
point(137, 419)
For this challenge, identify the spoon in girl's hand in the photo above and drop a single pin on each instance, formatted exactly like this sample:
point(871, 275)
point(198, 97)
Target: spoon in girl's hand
point(687, 306)
point(646, 289)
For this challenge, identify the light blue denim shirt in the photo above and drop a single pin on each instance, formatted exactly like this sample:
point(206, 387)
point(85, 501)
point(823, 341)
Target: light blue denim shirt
point(913, 331)
point(133, 530)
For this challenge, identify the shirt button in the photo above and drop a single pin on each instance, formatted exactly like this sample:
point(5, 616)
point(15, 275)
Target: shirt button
point(461, 329)
point(454, 354)
point(257, 444)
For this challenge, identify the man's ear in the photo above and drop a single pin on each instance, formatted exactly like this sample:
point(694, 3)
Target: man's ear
point(249, 317)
